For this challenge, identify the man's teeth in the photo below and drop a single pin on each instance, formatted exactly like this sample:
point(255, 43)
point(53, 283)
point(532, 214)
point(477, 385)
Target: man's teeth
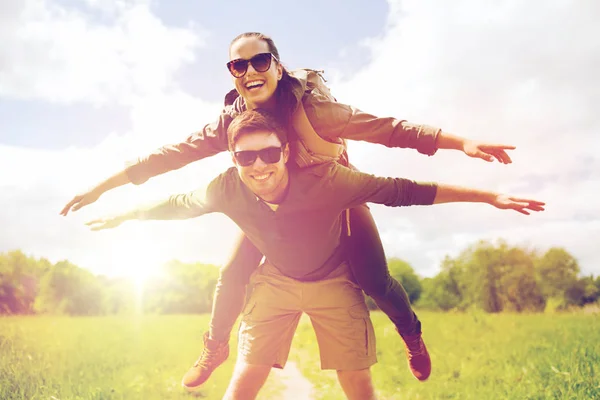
point(261, 177)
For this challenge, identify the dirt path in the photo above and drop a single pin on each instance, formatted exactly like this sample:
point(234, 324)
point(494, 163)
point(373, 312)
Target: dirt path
point(297, 387)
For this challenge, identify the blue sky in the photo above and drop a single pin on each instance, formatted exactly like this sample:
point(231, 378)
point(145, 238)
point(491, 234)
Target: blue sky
point(312, 34)
point(87, 85)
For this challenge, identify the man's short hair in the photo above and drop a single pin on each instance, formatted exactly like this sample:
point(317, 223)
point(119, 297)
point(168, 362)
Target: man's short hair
point(254, 120)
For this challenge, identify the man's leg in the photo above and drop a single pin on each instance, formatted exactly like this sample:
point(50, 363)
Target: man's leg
point(267, 328)
point(369, 267)
point(357, 385)
point(246, 382)
point(228, 302)
point(340, 317)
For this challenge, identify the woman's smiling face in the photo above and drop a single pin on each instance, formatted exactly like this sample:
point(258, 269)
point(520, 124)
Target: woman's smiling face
point(257, 88)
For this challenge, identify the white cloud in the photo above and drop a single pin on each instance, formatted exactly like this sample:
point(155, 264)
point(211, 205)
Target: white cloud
point(112, 7)
point(516, 72)
point(115, 51)
point(60, 54)
point(40, 182)
point(521, 73)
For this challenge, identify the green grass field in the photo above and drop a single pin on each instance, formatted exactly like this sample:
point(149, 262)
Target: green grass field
point(475, 356)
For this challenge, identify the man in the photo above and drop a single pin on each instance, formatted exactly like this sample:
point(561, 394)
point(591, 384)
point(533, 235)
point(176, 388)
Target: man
point(293, 216)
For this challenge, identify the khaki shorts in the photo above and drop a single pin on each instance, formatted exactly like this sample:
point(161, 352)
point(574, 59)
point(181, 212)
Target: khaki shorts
point(336, 307)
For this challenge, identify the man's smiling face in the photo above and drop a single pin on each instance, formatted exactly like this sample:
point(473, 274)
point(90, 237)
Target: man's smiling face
point(266, 180)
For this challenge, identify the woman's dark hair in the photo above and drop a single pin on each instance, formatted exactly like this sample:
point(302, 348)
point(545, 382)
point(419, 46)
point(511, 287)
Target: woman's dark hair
point(286, 101)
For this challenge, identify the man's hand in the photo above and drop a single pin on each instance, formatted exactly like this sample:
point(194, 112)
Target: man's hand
point(524, 206)
point(105, 223)
point(79, 201)
point(487, 151)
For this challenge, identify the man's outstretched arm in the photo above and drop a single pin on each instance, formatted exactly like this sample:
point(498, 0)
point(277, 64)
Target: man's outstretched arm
point(457, 194)
point(352, 188)
point(181, 206)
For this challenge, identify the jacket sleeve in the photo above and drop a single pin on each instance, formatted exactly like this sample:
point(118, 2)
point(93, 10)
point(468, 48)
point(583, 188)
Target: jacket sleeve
point(353, 188)
point(185, 206)
point(212, 139)
point(336, 120)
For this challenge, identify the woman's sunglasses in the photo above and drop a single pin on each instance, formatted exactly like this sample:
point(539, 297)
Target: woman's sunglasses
point(269, 155)
point(260, 62)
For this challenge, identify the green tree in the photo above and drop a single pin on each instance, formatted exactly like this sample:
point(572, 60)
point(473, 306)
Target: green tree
point(557, 270)
point(518, 286)
point(439, 293)
point(120, 295)
point(446, 290)
point(68, 289)
point(581, 292)
point(405, 274)
point(181, 288)
point(490, 277)
point(19, 282)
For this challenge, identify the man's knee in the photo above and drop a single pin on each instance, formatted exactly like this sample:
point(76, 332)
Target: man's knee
point(246, 382)
point(360, 376)
point(357, 384)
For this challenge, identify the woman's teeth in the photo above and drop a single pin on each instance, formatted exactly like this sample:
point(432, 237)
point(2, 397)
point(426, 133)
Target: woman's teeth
point(254, 84)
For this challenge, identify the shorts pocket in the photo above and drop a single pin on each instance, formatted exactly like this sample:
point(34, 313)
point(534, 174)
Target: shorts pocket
point(248, 308)
point(365, 334)
point(251, 301)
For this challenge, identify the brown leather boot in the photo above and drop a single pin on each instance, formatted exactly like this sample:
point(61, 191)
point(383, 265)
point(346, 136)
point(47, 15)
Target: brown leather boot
point(418, 357)
point(214, 354)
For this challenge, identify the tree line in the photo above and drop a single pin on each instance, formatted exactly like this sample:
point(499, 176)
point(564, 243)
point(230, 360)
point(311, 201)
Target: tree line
point(499, 277)
point(30, 285)
point(493, 277)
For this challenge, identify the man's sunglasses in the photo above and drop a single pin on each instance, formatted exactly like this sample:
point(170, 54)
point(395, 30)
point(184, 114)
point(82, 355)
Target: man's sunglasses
point(260, 62)
point(269, 155)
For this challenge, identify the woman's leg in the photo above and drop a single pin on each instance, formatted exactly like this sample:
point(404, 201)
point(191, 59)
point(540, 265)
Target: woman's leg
point(369, 266)
point(230, 291)
point(227, 305)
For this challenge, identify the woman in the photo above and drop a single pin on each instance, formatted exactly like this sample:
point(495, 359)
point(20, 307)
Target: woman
point(318, 126)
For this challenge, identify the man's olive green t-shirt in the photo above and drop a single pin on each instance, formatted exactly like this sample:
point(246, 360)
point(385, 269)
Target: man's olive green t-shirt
point(302, 236)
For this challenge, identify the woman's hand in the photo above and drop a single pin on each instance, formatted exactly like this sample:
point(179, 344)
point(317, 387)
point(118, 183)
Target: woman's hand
point(89, 197)
point(81, 200)
point(487, 151)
